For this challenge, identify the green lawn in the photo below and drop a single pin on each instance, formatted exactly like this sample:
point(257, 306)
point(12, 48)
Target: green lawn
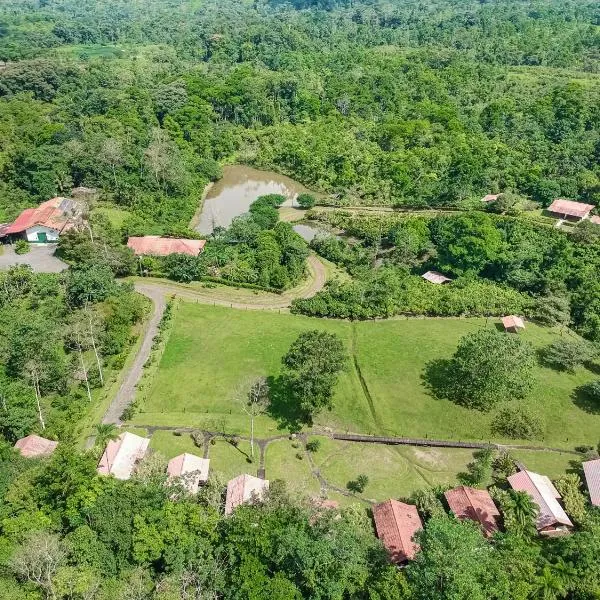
point(282, 462)
point(213, 351)
point(171, 445)
point(230, 461)
point(552, 464)
point(115, 215)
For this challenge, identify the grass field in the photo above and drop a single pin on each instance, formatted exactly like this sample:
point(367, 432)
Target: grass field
point(214, 351)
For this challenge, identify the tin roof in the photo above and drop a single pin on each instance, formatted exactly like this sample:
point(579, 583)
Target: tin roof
point(435, 277)
point(476, 505)
point(193, 466)
point(242, 489)
point(544, 494)
point(490, 197)
point(34, 445)
point(155, 245)
point(54, 214)
point(591, 469)
point(513, 322)
point(396, 524)
point(570, 208)
point(121, 455)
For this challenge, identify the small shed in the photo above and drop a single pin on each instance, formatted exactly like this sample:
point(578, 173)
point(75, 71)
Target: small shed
point(435, 277)
point(155, 245)
point(244, 489)
point(34, 446)
point(396, 524)
point(476, 505)
point(570, 210)
point(591, 470)
point(191, 468)
point(122, 455)
point(491, 197)
point(513, 324)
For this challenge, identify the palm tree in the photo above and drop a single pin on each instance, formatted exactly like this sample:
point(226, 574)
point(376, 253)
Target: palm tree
point(104, 433)
point(548, 586)
point(521, 511)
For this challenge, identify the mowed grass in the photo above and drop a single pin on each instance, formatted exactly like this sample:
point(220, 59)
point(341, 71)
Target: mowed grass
point(282, 462)
point(214, 352)
point(171, 445)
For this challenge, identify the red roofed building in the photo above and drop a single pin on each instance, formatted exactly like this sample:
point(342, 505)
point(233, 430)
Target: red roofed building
point(191, 468)
point(121, 456)
point(34, 446)
point(476, 505)
point(435, 277)
point(491, 197)
point(552, 519)
point(513, 323)
point(396, 524)
point(155, 245)
point(46, 222)
point(591, 469)
point(243, 489)
point(568, 209)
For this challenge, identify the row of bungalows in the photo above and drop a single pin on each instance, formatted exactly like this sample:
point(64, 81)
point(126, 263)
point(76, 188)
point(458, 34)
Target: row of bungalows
point(396, 523)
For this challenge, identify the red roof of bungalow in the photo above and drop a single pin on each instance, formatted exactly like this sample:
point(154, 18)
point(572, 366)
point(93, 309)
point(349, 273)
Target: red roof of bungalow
point(34, 446)
point(191, 467)
point(54, 214)
point(591, 469)
point(570, 208)
point(513, 322)
point(435, 277)
point(490, 197)
point(155, 245)
point(476, 505)
point(396, 525)
point(244, 488)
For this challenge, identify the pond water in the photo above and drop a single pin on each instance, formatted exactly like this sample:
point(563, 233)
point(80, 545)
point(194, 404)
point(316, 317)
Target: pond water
point(233, 194)
point(309, 232)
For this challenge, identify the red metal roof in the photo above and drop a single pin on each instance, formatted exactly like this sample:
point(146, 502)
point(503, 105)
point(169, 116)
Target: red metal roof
point(476, 505)
point(155, 245)
point(396, 525)
point(513, 322)
point(435, 277)
point(570, 208)
point(34, 445)
point(591, 469)
point(244, 488)
point(490, 197)
point(48, 214)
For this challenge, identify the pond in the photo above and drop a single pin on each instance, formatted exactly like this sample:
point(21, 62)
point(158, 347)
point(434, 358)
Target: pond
point(310, 232)
point(232, 195)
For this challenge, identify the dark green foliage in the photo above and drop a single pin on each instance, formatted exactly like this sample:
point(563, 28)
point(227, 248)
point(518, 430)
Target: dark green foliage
point(182, 267)
point(22, 247)
point(313, 445)
point(359, 484)
point(306, 201)
point(566, 354)
point(517, 423)
point(479, 470)
point(90, 285)
point(488, 367)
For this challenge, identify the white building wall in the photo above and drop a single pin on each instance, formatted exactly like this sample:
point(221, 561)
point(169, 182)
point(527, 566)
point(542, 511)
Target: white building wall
point(32, 233)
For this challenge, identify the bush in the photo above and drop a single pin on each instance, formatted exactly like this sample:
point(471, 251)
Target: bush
point(565, 354)
point(313, 445)
point(182, 267)
point(517, 422)
point(569, 487)
point(359, 484)
point(591, 391)
point(306, 201)
point(479, 470)
point(22, 247)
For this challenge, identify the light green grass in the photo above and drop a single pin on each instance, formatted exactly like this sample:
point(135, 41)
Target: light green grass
point(230, 461)
point(115, 215)
point(141, 431)
point(281, 462)
point(552, 464)
point(213, 352)
point(170, 445)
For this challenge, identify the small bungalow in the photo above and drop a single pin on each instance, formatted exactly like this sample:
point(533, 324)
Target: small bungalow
point(122, 455)
point(192, 468)
point(46, 222)
point(591, 470)
point(435, 277)
point(244, 489)
point(552, 520)
point(513, 324)
point(570, 210)
point(475, 505)
point(491, 197)
point(396, 524)
point(155, 245)
point(34, 446)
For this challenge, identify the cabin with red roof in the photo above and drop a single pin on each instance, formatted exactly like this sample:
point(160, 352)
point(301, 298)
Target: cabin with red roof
point(34, 446)
point(475, 505)
point(570, 210)
point(190, 470)
point(396, 524)
point(244, 489)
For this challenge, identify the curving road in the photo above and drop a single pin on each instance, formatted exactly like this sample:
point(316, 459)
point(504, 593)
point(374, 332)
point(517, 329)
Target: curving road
point(158, 289)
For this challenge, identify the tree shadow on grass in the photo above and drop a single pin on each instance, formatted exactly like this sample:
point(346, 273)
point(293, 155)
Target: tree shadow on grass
point(283, 407)
point(437, 376)
point(584, 400)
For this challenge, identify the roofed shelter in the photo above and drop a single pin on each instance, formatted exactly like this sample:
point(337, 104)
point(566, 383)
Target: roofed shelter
point(192, 468)
point(491, 197)
point(513, 324)
point(570, 210)
point(396, 524)
point(34, 446)
point(121, 456)
point(475, 505)
point(591, 470)
point(435, 277)
point(551, 519)
point(155, 245)
point(243, 489)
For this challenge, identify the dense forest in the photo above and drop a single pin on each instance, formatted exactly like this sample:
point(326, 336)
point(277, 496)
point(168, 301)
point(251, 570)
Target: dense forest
point(403, 104)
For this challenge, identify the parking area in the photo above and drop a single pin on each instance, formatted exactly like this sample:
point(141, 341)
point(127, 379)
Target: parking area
point(40, 257)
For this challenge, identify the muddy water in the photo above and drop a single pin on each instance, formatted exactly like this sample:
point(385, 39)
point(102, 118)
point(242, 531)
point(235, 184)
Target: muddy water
point(309, 232)
point(232, 195)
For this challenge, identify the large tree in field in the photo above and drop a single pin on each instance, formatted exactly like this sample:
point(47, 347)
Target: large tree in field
point(311, 369)
point(488, 367)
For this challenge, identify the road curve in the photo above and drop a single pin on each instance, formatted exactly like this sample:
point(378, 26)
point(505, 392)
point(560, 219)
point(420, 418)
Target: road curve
point(158, 289)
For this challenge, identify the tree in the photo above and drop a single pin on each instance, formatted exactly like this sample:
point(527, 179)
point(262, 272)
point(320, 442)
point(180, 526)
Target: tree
point(106, 432)
point(518, 423)
point(520, 512)
point(182, 267)
point(311, 369)
point(488, 367)
point(254, 401)
point(93, 284)
point(306, 201)
point(549, 586)
point(567, 354)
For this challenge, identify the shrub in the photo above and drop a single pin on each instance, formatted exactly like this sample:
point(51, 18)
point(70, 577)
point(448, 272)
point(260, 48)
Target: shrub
point(313, 445)
point(504, 465)
point(182, 267)
point(569, 487)
point(592, 392)
point(565, 354)
point(517, 422)
point(22, 247)
point(428, 502)
point(306, 201)
point(479, 470)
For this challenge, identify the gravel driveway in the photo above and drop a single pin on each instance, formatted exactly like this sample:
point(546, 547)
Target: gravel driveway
point(41, 258)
